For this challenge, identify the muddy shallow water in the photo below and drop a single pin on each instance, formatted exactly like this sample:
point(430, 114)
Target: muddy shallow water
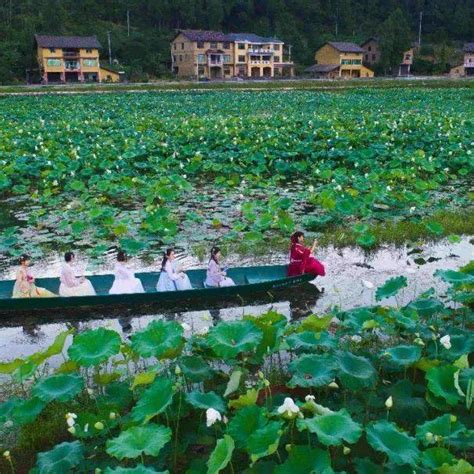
point(343, 286)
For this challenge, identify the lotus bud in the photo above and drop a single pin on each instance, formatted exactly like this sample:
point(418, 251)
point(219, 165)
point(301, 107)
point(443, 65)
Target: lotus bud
point(177, 370)
point(419, 341)
point(98, 470)
point(333, 385)
point(112, 415)
point(72, 429)
point(389, 403)
point(261, 375)
point(429, 437)
point(288, 447)
point(86, 428)
point(90, 392)
point(445, 341)
point(6, 455)
point(346, 450)
point(453, 418)
point(438, 438)
point(99, 425)
point(266, 383)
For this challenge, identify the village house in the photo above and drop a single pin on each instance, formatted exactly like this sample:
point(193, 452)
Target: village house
point(372, 55)
point(467, 68)
point(215, 55)
point(71, 59)
point(339, 60)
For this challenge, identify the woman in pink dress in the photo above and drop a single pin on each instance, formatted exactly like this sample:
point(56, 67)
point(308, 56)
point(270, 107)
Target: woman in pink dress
point(302, 259)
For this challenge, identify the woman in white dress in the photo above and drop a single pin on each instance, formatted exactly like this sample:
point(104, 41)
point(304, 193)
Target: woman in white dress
point(171, 278)
point(125, 280)
point(70, 284)
point(217, 276)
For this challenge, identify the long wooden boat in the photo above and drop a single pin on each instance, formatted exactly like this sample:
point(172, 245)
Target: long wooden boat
point(249, 281)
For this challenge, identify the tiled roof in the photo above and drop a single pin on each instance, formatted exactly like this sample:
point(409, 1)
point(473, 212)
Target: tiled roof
point(47, 41)
point(252, 38)
point(372, 38)
point(322, 68)
point(468, 48)
point(200, 35)
point(344, 47)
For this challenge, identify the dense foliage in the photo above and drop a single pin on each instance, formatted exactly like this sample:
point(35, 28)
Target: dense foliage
point(348, 392)
point(140, 169)
point(305, 24)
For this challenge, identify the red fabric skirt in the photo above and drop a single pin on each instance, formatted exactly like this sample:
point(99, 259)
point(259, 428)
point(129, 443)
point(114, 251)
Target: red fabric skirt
point(311, 266)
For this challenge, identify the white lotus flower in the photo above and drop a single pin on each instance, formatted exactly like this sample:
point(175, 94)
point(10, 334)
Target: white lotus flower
point(389, 403)
point(72, 429)
point(71, 419)
point(446, 341)
point(212, 416)
point(310, 398)
point(289, 407)
point(368, 284)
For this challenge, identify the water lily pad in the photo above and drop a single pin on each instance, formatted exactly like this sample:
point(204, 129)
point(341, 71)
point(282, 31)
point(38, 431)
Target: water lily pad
point(441, 383)
point(62, 458)
point(154, 399)
point(334, 428)
point(92, 347)
point(62, 387)
point(403, 355)
point(398, 446)
point(138, 441)
point(304, 460)
point(313, 371)
point(160, 339)
point(355, 372)
point(390, 288)
point(221, 455)
point(206, 400)
point(230, 339)
point(245, 422)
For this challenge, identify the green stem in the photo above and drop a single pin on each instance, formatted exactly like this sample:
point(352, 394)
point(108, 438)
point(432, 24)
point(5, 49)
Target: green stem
point(176, 432)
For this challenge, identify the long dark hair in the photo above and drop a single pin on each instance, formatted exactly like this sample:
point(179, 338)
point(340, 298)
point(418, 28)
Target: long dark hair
point(68, 256)
point(121, 256)
point(24, 258)
point(214, 252)
point(295, 236)
point(165, 258)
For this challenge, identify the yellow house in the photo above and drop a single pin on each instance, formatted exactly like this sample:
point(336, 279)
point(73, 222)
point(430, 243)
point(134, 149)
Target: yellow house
point(215, 55)
point(467, 68)
point(340, 59)
point(71, 59)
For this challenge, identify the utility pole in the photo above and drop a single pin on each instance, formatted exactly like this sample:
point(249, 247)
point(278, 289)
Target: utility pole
point(128, 22)
point(419, 29)
point(110, 48)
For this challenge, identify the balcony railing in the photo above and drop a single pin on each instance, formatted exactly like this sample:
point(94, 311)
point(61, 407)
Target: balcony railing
point(71, 65)
point(216, 62)
point(469, 64)
point(70, 54)
point(260, 50)
point(260, 61)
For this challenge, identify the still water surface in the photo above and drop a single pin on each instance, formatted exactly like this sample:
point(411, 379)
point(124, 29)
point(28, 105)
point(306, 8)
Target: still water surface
point(343, 286)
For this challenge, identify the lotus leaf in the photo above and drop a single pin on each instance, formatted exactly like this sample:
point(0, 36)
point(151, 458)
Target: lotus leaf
point(304, 460)
point(139, 469)
point(221, 456)
point(398, 446)
point(154, 399)
point(390, 288)
point(160, 339)
point(456, 278)
point(245, 422)
point(444, 426)
point(404, 355)
point(206, 400)
point(264, 441)
point(92, 347)
point(62, 387)
point(230, 339)
point(434, 458)
point(441, 383)
point(427, 306)
point(313, 371)
point(248, 399)
point(195, 368)
point(461, 466)
point(333, 428)
point(139, 440)
point(62, 458)
point(355, 372)
point(26, 411)
point(308, 341)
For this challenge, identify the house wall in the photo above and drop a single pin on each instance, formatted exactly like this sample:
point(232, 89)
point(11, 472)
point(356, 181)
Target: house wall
point(327, 55)
point(372, 52)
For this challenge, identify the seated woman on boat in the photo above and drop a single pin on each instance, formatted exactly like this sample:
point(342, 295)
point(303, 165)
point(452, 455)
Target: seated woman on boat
point(172, 278)
point(217, 276)
point(125, 281)
point(25, 282)
point(70, 284)
point(302, 259)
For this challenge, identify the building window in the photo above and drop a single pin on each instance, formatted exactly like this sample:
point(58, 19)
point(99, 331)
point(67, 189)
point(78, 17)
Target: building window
point(182, 45)
point(201, 58)
point(174, 58)
point(373, 57)
point(241, 59)
point(345, 61)
point(356, 61)
point(370, 48)
point(226, 45)
point(227, 58)
point(276, 59)
point(276, 47)
point(407, 57)
point(201, 70)
point(89, 62)
point(200, 44)
point(241, 46)
point(54, 62)
point(227, 71)
point(52, 50)
point(180, 57)
point(366, 57)
point(214, 45)
point(174, 46)
point(88, 50)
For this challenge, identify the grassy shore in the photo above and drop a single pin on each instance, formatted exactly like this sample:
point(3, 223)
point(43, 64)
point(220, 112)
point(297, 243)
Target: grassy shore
point(306, 84)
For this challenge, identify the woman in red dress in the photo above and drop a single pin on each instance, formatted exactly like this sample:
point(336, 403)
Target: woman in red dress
point(302, 259)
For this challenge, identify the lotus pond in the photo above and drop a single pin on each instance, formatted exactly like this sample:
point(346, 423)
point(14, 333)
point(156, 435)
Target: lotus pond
point(372, 389)
point(243, 168)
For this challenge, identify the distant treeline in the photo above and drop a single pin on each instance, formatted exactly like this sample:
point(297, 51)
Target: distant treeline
point(305, 24)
